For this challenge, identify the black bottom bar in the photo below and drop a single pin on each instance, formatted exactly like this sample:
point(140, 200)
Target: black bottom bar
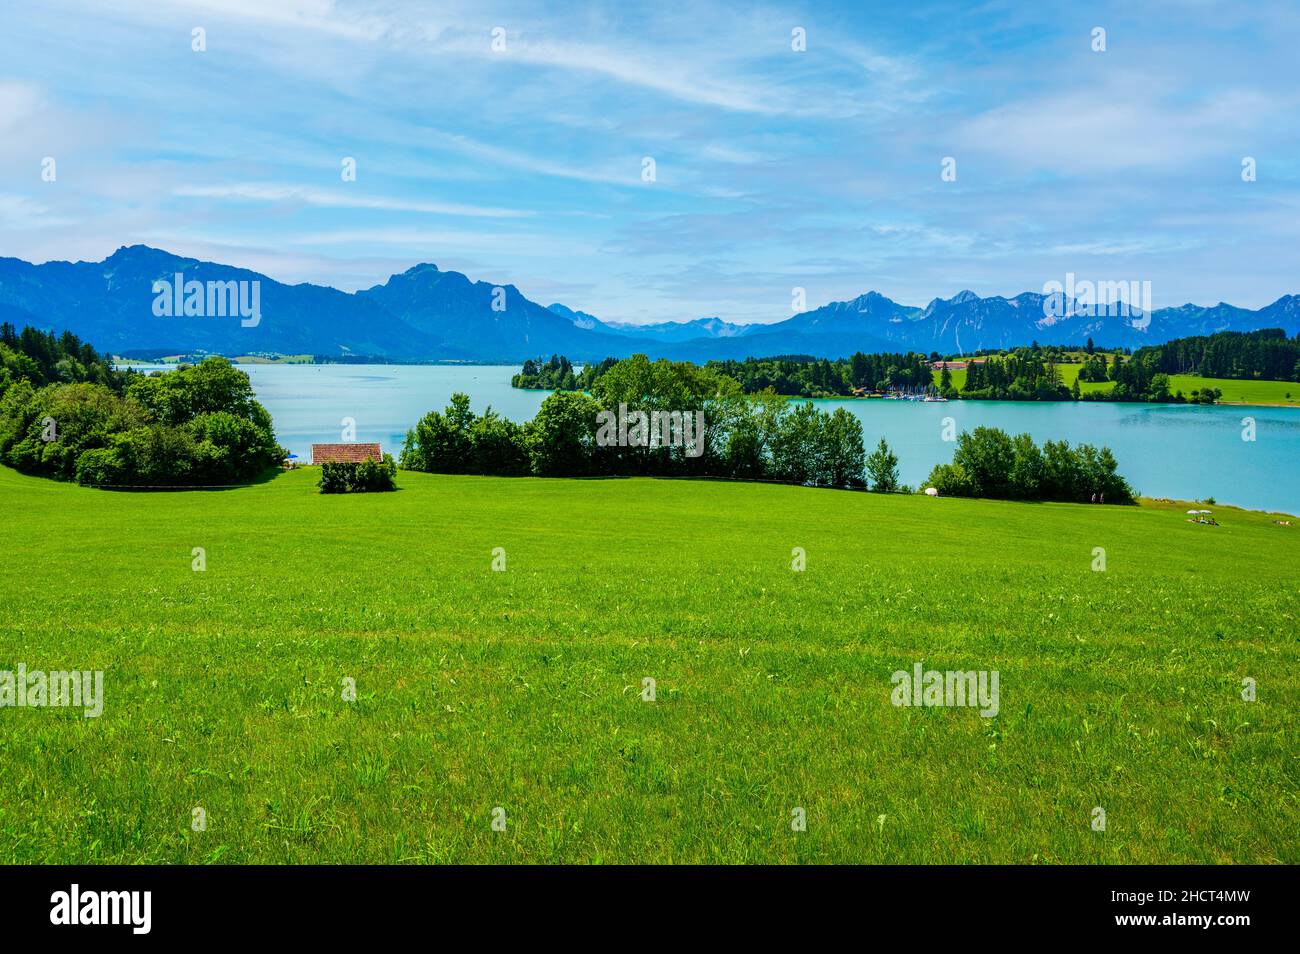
point(646, 904)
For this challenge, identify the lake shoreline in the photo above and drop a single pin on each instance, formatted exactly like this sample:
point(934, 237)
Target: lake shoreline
point(145, 366)
point(1179, 451)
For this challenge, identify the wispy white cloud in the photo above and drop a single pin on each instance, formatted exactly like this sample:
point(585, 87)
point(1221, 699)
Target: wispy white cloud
point(541, 164)
point(19, 102)
point(320, 16)
point(22, 212)
point(455, 239)
point(675, 77)
point(340, 199)
point(1125, 247)
point(1131, 121)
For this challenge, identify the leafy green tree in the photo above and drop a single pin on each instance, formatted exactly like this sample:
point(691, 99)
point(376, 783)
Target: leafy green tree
point(212, 385)
point(750, 425)
point(442, 442)
point(858, 370)
point(1027, 468)
point(843, 454)
point(84, 417)
point(498, 446)
point(228, 448)
point(882, 468)
point(561, 439)
point(797, 446)
point(987, 455)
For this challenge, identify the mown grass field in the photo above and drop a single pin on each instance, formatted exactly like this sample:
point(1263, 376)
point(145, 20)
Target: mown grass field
point(1241, 392)
point(1279, 393)
point(522, 689)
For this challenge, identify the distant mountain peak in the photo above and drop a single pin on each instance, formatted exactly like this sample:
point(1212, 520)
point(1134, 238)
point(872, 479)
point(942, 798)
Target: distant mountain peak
point(421, 268)
point(579, 318)
point(426, 313)
point(140, 253)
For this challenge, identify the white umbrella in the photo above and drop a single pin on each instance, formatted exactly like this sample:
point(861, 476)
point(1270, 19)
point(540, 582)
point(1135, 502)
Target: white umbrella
point(1193, 511)
point(1205, 511)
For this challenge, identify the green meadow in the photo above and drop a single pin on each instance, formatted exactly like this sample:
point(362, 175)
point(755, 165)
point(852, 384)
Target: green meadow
point(522, 689)
point(1280, 393)
point(1241, 392)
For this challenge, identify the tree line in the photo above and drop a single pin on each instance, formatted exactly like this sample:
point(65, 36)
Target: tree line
point(809, 377)
point(1021, 374)
point(762, 437)
point(988, 462)
point(1024, 374)
point(1267, 355)
point(558, 374)
point(65, 413)
point(791, 375)
point(41, 358)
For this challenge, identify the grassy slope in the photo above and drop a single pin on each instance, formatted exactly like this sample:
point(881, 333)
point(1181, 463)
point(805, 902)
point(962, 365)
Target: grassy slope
point(521, 689)
point(1240, 392)
point(1285, 393)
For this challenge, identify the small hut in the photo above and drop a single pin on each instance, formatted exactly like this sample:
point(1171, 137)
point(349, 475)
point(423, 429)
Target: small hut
point(345, 453)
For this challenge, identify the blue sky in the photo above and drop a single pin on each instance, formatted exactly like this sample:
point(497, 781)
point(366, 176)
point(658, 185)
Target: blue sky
point(775, 169)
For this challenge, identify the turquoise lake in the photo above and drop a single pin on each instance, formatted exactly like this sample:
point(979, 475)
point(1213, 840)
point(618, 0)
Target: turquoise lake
point(1183, 452)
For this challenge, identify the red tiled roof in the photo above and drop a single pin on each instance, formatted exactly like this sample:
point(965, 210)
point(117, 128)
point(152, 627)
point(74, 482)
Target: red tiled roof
point(344, 453)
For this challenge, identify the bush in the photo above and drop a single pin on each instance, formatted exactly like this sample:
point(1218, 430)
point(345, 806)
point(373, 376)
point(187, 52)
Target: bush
point(336, 478)
point(951, 480)
point(100, 467)
point(376, 476)
point(350, 477)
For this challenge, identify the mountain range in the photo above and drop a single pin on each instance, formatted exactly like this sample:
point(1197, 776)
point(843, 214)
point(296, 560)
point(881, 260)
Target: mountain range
point(427, 314)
